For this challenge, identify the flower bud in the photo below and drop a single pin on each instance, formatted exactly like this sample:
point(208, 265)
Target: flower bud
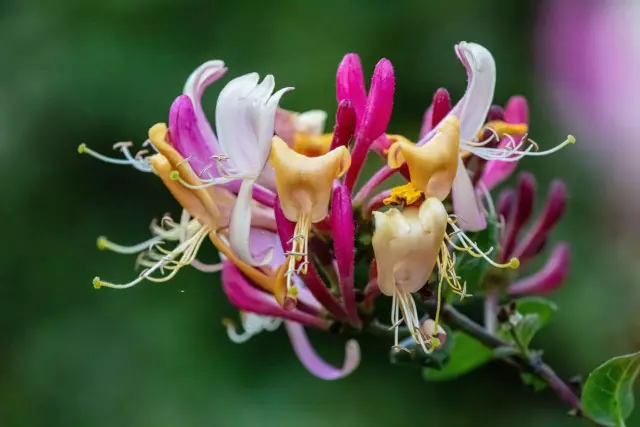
point(438, 337)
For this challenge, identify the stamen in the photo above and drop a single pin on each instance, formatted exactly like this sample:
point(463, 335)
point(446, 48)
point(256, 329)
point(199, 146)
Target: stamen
point(187, 250)
point(105, 244)
point(175, 175)
point(470, 247)
point(183, 161)
point(140, 164)
point(206, 268)
point(512, 152)
point(298, 253)
point(148, 143)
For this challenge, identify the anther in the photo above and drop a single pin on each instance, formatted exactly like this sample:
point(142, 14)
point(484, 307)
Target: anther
point(101, 242)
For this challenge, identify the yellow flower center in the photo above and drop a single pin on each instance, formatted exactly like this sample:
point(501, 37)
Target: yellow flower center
point(406, 194)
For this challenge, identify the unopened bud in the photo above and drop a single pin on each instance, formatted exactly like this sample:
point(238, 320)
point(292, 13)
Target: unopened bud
point(441, 106)
point(437, 337)
point(345, 124)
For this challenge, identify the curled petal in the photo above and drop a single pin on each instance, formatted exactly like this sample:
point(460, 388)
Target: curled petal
point(245, 119)
point(312, 361)
point(432, 167)
point(246, 297)
point(549, 278)
point(187, 138)
point(350, 83)
point(240, 227)
point(465, 201)
point(197, 82)
point(474, 105)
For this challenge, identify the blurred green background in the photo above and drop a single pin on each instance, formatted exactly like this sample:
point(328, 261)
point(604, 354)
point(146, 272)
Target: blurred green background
point(100, 72)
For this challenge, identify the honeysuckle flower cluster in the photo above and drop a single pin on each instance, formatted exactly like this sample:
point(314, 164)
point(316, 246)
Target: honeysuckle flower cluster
point(278, 198)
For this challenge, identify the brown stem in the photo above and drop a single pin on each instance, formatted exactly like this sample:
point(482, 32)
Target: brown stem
point(533, 362)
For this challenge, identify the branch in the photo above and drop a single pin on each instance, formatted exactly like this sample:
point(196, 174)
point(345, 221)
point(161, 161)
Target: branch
point(532, 363)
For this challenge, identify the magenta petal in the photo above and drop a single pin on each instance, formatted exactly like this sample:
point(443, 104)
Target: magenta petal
point(186, 136)
point(285, 227)
point(350, 83)
point(553, 211)
point(441, 106)
point(549, 278)
point(496, 112)
point(312, 361)
point(195, 86)
point(520, 214)
point(247, 297)
point(506, 203)
point(375, 120)
point(379, 102)
point(438, 110)
point(517, 110)
point(345, 126)
point(343, 232)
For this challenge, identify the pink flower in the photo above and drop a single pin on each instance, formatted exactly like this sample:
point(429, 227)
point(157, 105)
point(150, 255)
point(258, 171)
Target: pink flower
point(516, 207)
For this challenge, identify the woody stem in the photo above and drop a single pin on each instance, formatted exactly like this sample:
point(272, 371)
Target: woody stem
point(532, 362)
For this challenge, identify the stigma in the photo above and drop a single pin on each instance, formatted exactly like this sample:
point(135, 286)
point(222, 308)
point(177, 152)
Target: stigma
point(304, 187)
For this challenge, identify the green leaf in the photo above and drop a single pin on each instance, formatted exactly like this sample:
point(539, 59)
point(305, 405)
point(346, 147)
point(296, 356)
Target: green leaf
point(471, 269)
point(607, 396)
point(467, 354)
point(545, 309)
point(527, 327)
